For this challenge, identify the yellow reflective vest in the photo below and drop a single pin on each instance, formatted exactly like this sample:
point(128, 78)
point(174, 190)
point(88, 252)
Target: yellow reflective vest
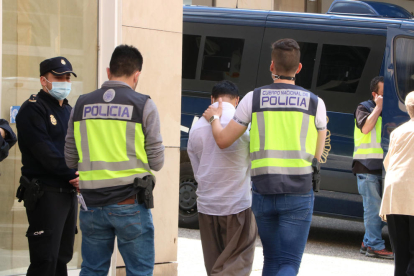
point(368, 150)
point(110, 140)
point(283, 138)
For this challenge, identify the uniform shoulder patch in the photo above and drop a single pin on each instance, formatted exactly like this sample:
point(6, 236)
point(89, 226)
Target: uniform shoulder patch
point(33, 98)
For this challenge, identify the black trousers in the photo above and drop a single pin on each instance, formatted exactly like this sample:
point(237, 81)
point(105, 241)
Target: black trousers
point(51, 234)
point(401, 230)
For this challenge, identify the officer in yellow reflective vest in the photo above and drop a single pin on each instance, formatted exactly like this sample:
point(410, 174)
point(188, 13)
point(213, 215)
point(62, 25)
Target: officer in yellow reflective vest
point(288, 130)
point(114, 140)
point(367, 166)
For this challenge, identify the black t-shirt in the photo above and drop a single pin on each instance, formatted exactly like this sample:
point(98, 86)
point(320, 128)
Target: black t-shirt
point(361, 115)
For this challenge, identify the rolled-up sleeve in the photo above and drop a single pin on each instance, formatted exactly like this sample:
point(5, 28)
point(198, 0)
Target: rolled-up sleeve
point(71, 153)
point(153, 140)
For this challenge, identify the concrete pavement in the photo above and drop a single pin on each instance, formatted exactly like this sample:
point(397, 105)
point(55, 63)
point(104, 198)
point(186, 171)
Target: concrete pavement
point(332, 249)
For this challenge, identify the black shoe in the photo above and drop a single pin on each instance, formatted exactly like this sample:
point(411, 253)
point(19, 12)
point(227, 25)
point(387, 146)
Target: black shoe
point(384, 253)
point(363, 249)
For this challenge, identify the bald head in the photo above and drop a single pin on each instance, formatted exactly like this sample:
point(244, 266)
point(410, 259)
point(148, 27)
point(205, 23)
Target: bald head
point(409, 103)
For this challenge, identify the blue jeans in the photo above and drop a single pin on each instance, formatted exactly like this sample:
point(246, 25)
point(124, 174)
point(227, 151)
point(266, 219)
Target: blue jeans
point(370, 188)
point(133, 226)
point(283, 222)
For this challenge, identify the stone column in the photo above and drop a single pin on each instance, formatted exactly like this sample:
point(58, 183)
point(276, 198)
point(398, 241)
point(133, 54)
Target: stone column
point(155, 28)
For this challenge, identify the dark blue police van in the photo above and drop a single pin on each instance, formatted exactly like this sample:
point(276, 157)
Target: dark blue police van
point(341, 52)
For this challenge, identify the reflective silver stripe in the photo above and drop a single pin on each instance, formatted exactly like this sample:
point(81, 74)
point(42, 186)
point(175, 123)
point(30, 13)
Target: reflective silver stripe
point(262, 129)
point(281, 170)
point(112, 166)
point(97, 184)
point(369, 156)
point(84, 141)
point(304, 132)
point(282, 154)
point(130, 140)
point(368, 146)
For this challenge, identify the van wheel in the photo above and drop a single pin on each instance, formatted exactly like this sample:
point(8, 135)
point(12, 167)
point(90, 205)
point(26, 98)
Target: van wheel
point(188, 214)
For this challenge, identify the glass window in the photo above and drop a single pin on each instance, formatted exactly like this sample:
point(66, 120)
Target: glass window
point(191, 47)
point(404, 65)
point(35, 30)
point(222, 59)
point(341, 67)
point(307, 58)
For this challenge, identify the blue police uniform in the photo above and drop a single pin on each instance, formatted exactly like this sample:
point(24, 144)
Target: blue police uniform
point(7, 142)
point(42, 125)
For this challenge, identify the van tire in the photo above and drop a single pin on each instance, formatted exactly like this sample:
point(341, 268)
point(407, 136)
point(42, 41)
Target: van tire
point(187, 214)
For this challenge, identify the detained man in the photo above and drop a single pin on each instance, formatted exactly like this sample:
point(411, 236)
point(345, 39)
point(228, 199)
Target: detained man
point(227, 226)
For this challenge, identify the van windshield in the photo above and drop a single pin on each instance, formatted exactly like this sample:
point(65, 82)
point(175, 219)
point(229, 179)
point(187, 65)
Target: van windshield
point(404, 65)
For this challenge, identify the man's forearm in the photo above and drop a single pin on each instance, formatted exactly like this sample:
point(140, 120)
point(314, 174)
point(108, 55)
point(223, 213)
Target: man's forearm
point(71, 152)
point(320, 144)
point(217, 130)
point(371, 120)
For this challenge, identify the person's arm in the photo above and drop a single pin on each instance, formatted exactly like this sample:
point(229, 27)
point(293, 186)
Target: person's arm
point(224, 137)
point(33, 133)
point(320, 144)
point(71, 152)
point(390, 152)
point(371, 121)
point(192, 154)
point(321, 126)
point(4, 147)
point(153, 140)
point(7, 133)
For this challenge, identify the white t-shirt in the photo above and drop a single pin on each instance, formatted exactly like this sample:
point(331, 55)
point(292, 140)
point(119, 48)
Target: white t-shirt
point(223, 175)
point(243, 114)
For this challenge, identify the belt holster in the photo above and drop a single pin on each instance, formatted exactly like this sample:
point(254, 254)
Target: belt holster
point(145, 187)
point(29, 192)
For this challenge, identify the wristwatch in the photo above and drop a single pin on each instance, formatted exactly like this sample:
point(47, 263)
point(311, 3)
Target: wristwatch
point(213, 118)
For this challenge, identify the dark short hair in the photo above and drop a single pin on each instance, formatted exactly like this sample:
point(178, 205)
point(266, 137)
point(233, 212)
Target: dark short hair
point(286, 56)
point(125, 61)
point(225, 88)
point(374, 83)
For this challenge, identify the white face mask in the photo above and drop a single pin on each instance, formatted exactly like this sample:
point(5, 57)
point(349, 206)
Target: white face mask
point(60, 90)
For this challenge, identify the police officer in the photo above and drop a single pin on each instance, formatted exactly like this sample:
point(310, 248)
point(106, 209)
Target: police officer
point(114, 139)
point(367, 166)
point(7, 139)
point(49, 197)
point(288, 130)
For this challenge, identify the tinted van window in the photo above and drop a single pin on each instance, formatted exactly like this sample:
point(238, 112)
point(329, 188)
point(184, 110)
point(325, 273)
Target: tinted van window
point(222, 59)
point(404, 65)
point(341, 67)
point(307, 58)
point(191, 47)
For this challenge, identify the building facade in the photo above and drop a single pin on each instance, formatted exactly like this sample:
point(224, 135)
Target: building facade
point(86, 32)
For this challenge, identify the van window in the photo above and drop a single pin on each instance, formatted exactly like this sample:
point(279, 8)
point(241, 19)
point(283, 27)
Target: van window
point(404, 65)
point(307, 58)
point(191, 46)
point(341, 67)
point(222, 59)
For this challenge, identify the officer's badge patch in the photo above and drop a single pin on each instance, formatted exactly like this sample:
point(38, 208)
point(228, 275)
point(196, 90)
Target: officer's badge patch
point(33, 98)
point(63, 62)
point(109, 95)
point(53, 120)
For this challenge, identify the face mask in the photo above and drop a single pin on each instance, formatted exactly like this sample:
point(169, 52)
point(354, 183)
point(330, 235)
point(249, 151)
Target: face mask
point(60, 90)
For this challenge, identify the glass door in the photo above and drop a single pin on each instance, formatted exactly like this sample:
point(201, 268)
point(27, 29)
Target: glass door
point(34, 30)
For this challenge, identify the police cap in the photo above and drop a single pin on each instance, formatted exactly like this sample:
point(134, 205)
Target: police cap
point(57, 66)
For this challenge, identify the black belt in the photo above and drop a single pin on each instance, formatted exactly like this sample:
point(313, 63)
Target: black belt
point(57, 190)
